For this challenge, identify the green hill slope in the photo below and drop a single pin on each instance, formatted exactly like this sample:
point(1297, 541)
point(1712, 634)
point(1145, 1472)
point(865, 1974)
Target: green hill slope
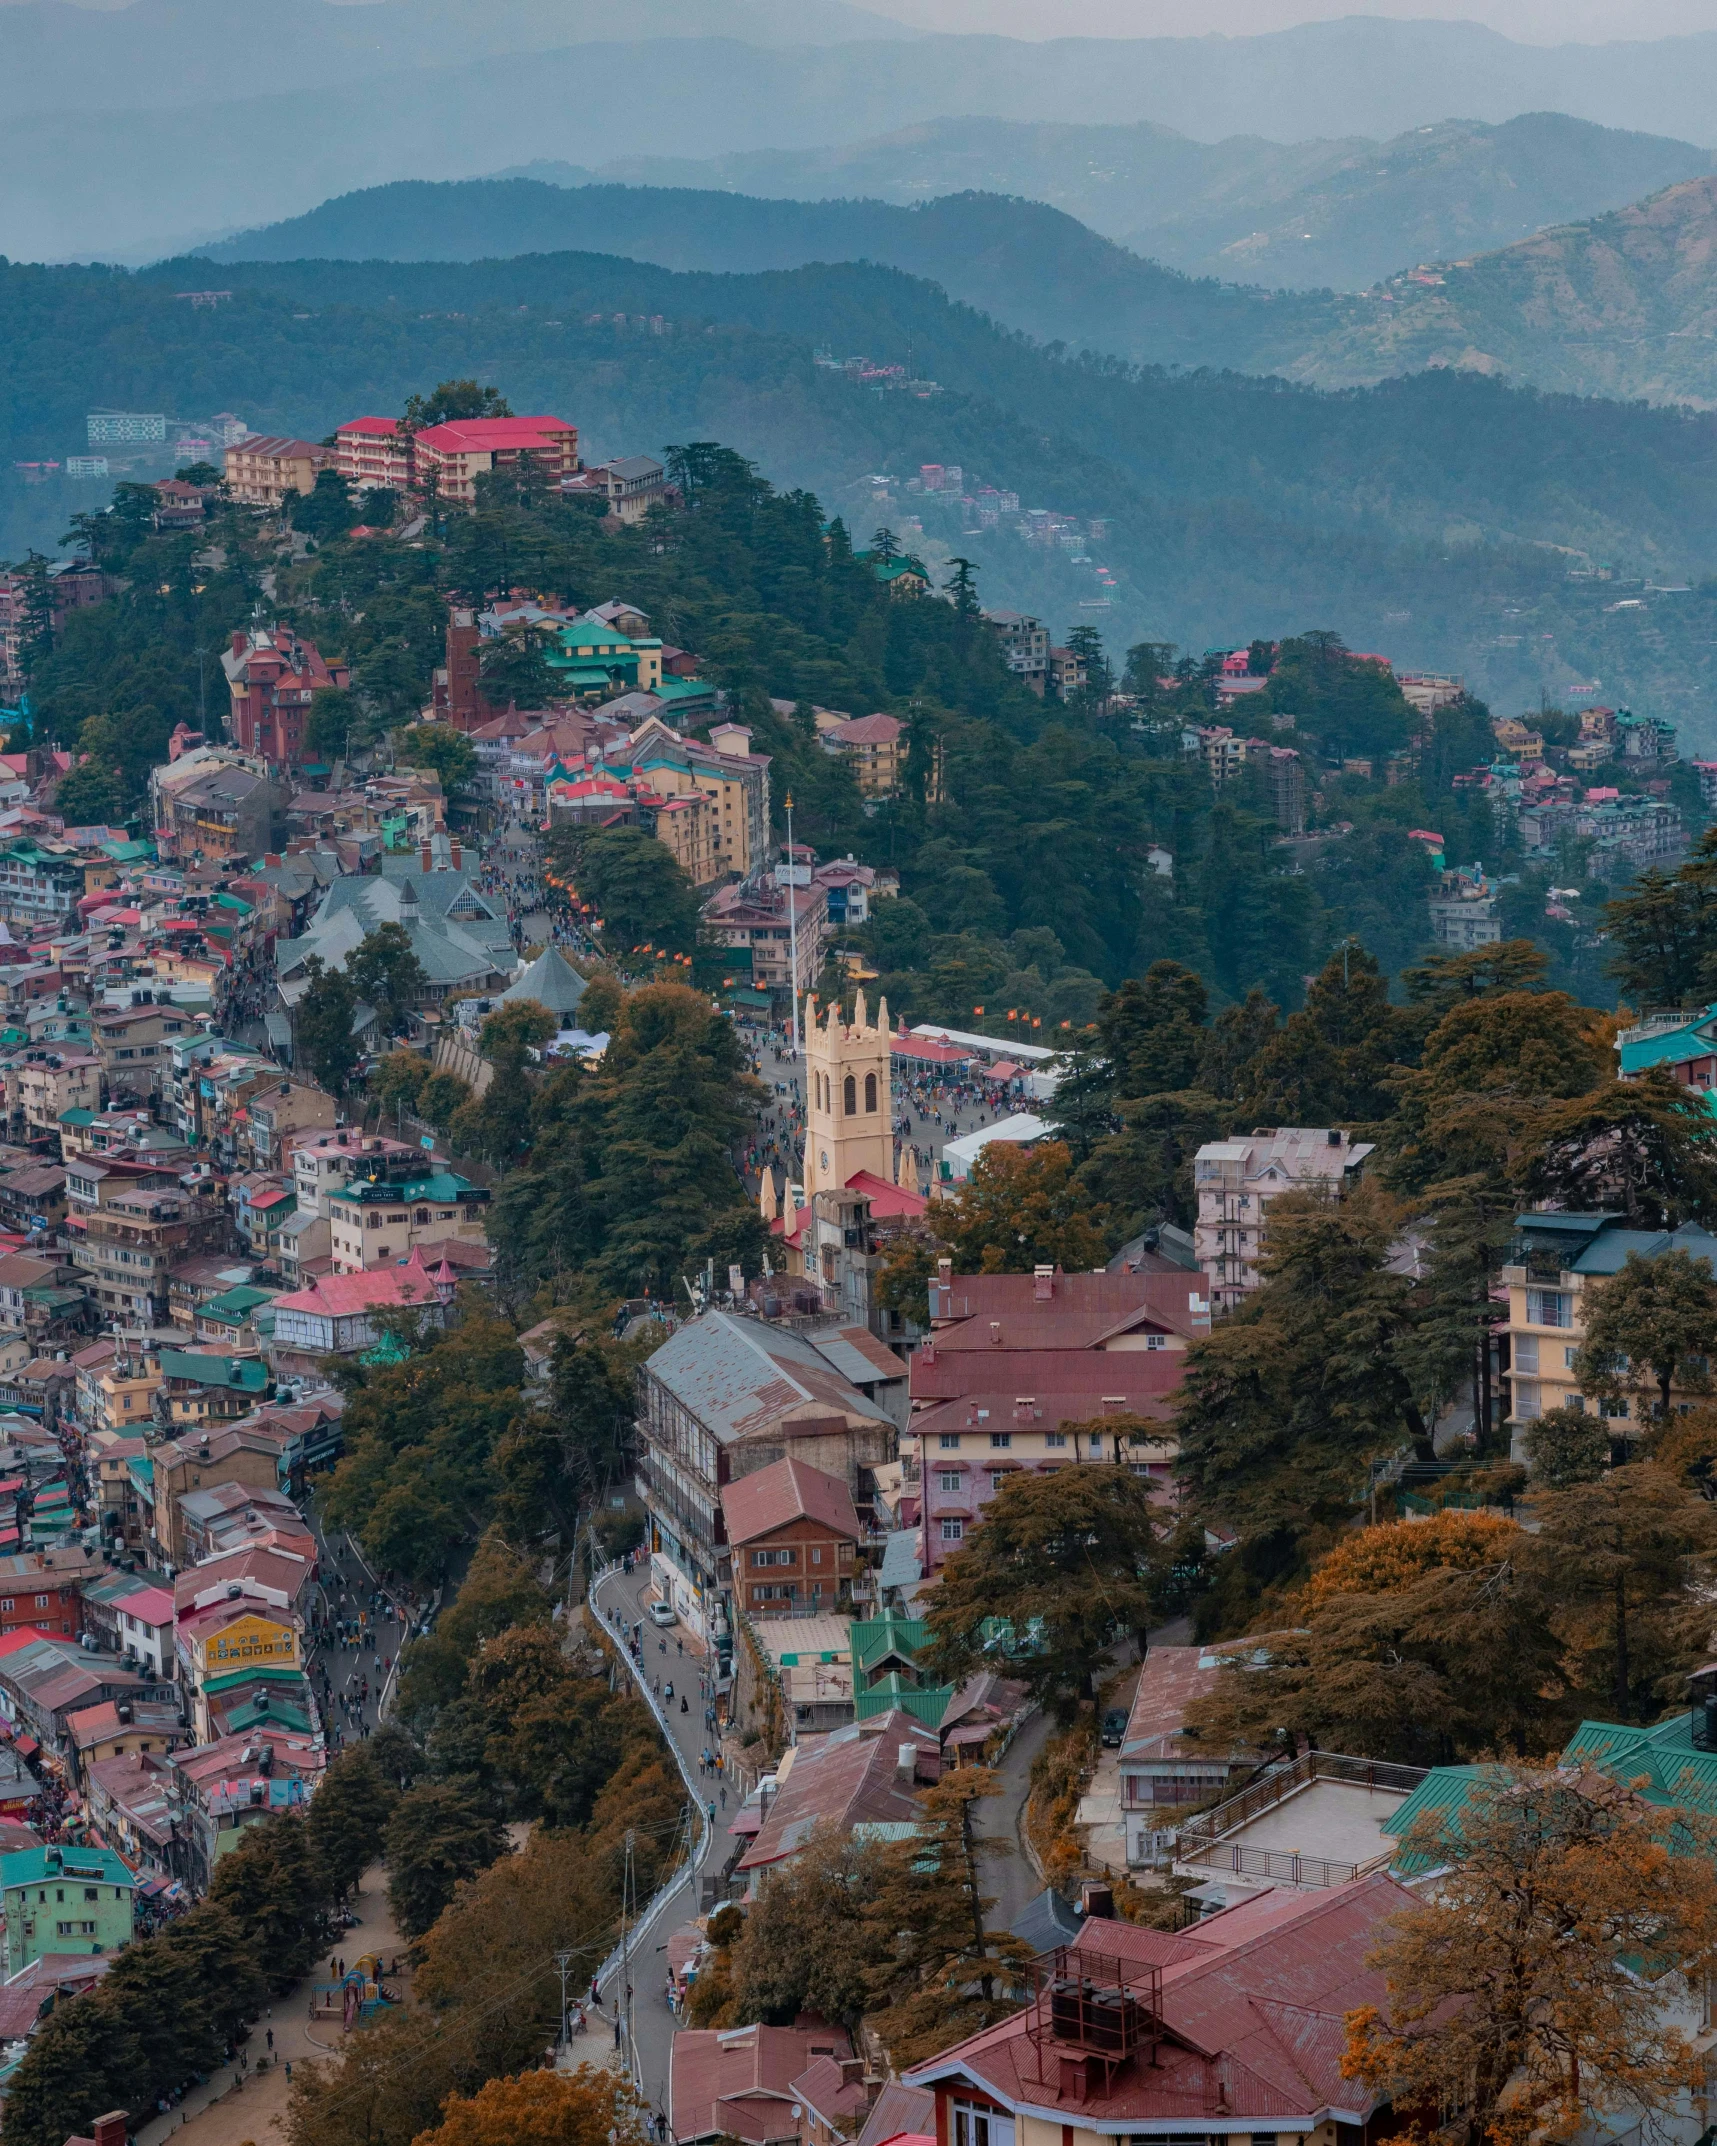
point(1623, 305)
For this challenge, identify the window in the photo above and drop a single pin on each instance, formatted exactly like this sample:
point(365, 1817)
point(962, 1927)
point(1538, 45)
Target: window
point(816, 1553)
point(1156, 1341)
point(1528, 1401)
point(1000, 1441)
point(1055, 1438)
point(849, 1096)
point(870, 1092)
point(981, 2127)
point(953, 1531)
point(998, 1476)
point(949, 1442)
point(1616, 1410)
point(949, 1480)
point(1526, 1352)
point(1549, 1307)
point(41, 1602)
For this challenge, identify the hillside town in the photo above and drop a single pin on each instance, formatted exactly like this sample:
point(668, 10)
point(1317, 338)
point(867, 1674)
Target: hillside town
point(511, 1348)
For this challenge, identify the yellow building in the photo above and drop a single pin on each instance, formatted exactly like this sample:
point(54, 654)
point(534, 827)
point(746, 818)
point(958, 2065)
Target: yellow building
point(849, 1125)
point(874, 747)
point(1553, 1259)
point(231, 1644)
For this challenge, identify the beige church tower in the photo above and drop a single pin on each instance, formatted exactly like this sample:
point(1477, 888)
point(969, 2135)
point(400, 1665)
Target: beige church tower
point(849, 1104)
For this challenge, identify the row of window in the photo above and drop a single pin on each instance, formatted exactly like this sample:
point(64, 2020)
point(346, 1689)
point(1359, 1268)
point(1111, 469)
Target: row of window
point(1002, 1441)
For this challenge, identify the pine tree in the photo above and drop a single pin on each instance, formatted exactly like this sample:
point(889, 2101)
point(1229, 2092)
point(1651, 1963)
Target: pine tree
point(348, 1818)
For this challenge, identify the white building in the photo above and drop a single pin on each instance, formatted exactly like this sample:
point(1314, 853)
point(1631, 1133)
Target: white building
point(1237, 1179)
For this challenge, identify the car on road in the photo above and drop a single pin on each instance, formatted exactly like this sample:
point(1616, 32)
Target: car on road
point(1114, 1726)
point(662, 1613)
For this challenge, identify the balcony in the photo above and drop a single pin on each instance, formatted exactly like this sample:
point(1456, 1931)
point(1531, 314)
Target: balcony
point(1308, 1824)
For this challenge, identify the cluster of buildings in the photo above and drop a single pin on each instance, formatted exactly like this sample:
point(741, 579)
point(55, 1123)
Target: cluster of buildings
point(441, 463)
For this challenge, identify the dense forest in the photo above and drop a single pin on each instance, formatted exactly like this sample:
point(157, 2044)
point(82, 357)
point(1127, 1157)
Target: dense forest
point(1425, 515)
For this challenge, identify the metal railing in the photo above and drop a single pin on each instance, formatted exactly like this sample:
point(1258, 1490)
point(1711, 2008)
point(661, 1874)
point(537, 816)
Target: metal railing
point(687, 1872)
point(1312, 1873)
point(1204, 1832)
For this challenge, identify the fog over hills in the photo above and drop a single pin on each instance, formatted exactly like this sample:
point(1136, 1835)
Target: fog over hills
point(94, 173)
point(1295, 215)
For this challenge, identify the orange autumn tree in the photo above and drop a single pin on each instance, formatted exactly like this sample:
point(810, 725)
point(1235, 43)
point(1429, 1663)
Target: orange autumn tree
point(1535, 1984)
point(589, 2107)
point(1022, 1208)
point(1382, 1559)
point(1418, 1642)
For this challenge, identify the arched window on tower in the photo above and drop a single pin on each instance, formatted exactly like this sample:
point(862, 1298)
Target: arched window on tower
point(869, 1093)
point(849, 1096)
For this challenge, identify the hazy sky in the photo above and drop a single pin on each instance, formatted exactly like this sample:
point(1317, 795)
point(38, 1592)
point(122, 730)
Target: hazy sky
point(1538, 21)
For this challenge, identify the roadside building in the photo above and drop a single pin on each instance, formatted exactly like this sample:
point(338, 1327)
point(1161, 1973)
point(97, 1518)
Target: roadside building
point(723, 1399)
point(240, 1782)
point(793, 1539)
point(65, 1900)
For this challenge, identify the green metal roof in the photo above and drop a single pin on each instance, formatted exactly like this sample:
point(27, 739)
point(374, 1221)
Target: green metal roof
point(1672, 1046)
point(875, 1638)
point(924, 1702)
point(32, 1866)
point(237, 1304)
point(249, 1374)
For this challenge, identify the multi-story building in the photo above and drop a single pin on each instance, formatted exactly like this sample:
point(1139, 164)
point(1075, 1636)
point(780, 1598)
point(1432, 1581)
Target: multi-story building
point(1043, 1371)
point(126, 1248)
point(337, 1314)
point(376, 1220)
point(1552, 1259)
point(730, 775)
point(372, 453)
point(264, 470)
point(726, 1397)
point(42, 1084)
point(631, 486)
point(1024, 644)
point(325, 1159)
point(793, 1538)
point(273, 676)
point(240, 1782)
point(1464, 910)
point(65, 1899)
point(448, 459)
point(237, 1644)
point(591, 660)
point(131, 1042)
point(1237, 1179)
point(40, 882)
point(276, 1112)
point(765, 920)
point(874, 747)
point(136, 1809)
point(212, 805)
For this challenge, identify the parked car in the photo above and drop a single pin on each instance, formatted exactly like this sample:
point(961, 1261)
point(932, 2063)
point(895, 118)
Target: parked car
point(662, 1613)
point(1114, 1725)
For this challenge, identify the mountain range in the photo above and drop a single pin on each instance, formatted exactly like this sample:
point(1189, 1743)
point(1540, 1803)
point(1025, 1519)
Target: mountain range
point(93, 170)
point(1623, 304)
point(1289, 215)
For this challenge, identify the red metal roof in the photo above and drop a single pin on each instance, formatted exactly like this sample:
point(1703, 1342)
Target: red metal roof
point(787, 1490)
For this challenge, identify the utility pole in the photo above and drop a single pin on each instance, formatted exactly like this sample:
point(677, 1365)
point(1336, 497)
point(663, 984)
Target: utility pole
point(792, 927)
point(562, 1960)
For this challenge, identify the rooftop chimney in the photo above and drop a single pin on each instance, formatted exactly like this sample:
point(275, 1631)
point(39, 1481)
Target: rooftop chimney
point(1097, 1901)
point(1042, 1284)
point(110, 2129)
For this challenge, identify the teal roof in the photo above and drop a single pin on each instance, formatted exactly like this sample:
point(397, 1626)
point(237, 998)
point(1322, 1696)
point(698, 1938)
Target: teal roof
point(433, 1185)
point(1674, 1046)
point(36, 1866)
point(77, 1117)
point(1608, 1253)
point(924, 1702)
point(237, 1304)
point(249, 1374)
point(875, 1638)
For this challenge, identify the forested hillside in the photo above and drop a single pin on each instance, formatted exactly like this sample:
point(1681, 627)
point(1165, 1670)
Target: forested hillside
point(1624, 305)
point(1295, 214)
point(1422, 514)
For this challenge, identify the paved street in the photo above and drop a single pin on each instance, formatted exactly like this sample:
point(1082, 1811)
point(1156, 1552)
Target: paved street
point(664, 1664)
point(352, 1672)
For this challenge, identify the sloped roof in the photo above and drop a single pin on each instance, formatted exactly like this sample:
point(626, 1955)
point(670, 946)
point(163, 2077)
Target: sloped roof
point(738, 1375)
point(1255, 2003)
point(741, 2081)
point(786, 1490)
point(842, 1778)
point(551, 980)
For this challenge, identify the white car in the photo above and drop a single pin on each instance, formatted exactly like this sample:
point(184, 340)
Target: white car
point(662, 1613)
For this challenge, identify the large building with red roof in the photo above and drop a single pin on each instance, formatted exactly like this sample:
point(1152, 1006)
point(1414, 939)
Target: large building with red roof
point(1233, 2030)
point(792, 1536)
point(1019, 1371)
